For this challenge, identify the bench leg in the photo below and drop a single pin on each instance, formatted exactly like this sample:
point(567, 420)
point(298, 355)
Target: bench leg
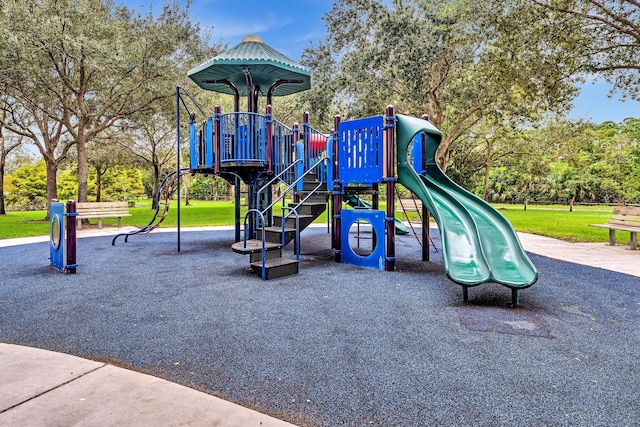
point(119, 222)
point(634, 241)
point(612, 237)
point(79, 224)
point(99, 222)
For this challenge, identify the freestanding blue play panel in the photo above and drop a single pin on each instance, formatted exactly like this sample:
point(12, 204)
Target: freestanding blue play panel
point(62, 236)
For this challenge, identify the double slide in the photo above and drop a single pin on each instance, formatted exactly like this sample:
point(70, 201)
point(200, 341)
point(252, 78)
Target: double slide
point(478, 243)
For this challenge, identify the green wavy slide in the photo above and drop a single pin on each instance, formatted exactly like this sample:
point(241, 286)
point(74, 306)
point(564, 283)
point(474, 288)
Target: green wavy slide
point(478, 243)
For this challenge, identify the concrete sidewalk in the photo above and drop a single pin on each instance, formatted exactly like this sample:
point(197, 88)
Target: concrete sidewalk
point(43, 388)
point(39, 387)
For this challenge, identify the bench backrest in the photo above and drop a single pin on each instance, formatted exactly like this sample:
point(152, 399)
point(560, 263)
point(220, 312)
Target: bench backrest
point(102, 206)
point(628, 216)
point(409, 205)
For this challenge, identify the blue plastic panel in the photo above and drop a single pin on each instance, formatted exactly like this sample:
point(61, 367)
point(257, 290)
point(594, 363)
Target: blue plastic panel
point(416, 154)
point(194, 147)
point(376, 259)
point(208, 143)
point(56, 235)
point(360, 150)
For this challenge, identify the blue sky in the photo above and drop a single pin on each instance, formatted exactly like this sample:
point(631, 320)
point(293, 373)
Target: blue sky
point(289, 26)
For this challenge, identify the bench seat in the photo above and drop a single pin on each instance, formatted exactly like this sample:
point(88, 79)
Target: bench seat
point(99, 210)
point(626, 219)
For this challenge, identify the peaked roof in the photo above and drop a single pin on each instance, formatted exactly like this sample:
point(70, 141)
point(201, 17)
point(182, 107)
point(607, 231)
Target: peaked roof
point(266, 65)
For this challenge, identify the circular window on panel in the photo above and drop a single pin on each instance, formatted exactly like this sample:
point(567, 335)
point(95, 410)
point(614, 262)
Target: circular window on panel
point(362, 238)
point(56, 231)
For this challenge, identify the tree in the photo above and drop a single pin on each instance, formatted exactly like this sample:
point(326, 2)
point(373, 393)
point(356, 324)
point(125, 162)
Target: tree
point(612, 47)
point(30, 119)
point(7, 144)
point(102, 62)
point(104, 153)
point(458, 61)
point(29, 187)
point(152, 140)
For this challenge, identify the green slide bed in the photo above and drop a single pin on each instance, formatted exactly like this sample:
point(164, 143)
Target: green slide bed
point(478, 243)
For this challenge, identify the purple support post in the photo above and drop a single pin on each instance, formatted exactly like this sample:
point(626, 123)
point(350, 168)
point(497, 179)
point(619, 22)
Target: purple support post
point(426, 237)
point(337, 193)
point(216, 138)
point(269, 125)
point(294, 154)
point(306, 135)
point(71, 237)
point(390, 129)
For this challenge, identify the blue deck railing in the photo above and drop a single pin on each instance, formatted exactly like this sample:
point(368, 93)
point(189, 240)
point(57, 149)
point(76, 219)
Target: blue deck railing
point(243, 139)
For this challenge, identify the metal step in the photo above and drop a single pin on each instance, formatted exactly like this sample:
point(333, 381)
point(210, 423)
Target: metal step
point(308, 185)
point(255, 247)
point(303, 220)
point(275, 268)
point(274, 234)
point(317, 197)
point(314, 209)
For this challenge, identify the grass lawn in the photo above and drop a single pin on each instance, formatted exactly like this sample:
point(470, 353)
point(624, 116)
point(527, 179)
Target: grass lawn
point(551, 221)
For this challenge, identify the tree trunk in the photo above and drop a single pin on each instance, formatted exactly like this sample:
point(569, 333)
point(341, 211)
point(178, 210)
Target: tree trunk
point(52, 182)
point(98, 184)
point(487, 170)
point(525, 203)
point(2, 210)
point(83, 170)
point(573, 199)
point(156, 186)
point(185, 186)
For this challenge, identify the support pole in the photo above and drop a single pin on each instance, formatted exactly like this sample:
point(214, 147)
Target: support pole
point(216, 138)
point(269, 126)
point(296, 152)
point(337, 193)
point(237, 199)
point(306, 136)
point(71, 238)
point(390, 130)
point(192, 119)
point(426, 215)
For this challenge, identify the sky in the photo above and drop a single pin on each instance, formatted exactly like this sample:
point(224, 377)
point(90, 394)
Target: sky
point(289, 26)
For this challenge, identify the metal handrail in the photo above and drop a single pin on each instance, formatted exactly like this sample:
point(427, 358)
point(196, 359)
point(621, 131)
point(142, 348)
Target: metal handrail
point(312, 192)
point(296, 249)
point(275, 178)
point(294, 209)
point(264, 247)
point(295, 183)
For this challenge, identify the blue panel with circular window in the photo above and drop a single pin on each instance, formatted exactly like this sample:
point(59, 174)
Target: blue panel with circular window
point(369, 224)
point(56, 235)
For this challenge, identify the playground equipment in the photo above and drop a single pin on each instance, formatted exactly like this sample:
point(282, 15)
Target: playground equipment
point(62, 236)
point(314, 171)
point(162, 202)
point(478, 244)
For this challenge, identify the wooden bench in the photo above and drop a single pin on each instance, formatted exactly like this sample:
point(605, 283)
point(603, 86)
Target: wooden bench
point(623, 218)
point(409, 205)
point(101, 210)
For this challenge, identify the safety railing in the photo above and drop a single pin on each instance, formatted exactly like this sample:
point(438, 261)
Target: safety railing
point(243, 138)
point(292, 210)
point(283, 150)
point(315, 147)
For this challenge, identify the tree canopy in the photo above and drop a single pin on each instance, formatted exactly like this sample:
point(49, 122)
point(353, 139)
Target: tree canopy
point(89, 64)
point(460, 62)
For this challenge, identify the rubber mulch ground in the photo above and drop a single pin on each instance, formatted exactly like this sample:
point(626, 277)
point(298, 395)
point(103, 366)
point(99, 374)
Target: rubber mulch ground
point(337, 344)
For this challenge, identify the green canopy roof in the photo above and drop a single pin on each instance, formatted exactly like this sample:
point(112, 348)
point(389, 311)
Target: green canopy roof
point(266, 65)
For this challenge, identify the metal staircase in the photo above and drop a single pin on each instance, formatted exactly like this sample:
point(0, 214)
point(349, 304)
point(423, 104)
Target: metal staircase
point(265, 251)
